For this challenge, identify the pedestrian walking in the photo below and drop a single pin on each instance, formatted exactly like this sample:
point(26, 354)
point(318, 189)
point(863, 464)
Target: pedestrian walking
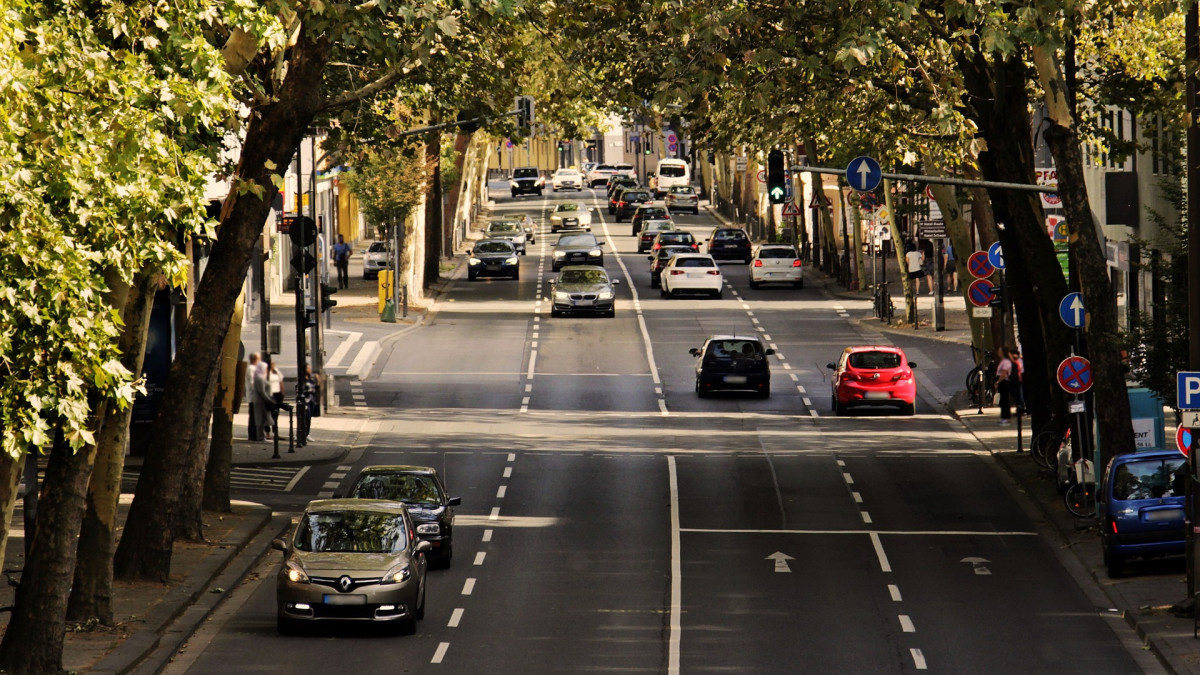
point(951, 267)
point(264, 403)
point(341, 260)
point(1004, 384)
point(914, 261)
point(254, 429)
point(1018, 380)
point(929, 263)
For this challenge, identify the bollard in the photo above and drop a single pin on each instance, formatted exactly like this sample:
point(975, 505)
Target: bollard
point(1019, 416)
point(275, 441)
point(291, 430)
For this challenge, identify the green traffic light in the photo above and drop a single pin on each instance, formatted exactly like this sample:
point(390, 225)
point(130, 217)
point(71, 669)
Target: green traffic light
point(777, 192)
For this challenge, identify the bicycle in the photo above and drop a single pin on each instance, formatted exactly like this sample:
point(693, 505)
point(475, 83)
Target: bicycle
point(1045, 446)
point(981, 380)
point(1080, 497)
point(883, 304)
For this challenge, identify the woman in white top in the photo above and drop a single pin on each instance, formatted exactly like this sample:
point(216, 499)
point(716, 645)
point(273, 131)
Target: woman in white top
point(914, 260)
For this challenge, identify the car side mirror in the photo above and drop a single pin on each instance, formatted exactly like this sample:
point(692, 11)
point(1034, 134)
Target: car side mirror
point(650, 257)
point(616, 282)
point(470, 251)
point(911, 364)
point(454, 501)
point(769, 352)
point(599, 243)
point(830, 366)
point(694, 351)
point(278, 544)
point(424, 547)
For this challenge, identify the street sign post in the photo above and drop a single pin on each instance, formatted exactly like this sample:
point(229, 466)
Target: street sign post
point(1071, 310)
point(979, 266)
point(981, 292)
point(996, 256)
point(1075, 375)
point(1187, 390)
point(931, 229)
point(863, 174)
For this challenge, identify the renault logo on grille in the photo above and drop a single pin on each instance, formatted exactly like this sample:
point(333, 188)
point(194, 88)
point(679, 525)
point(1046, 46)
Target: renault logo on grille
point(344, 583)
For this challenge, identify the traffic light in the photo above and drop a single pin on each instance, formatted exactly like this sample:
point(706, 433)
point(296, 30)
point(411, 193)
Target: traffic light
point(310, 317)
point(561, 146)
point(524, 115)
point(776, 178)
point(326, 301)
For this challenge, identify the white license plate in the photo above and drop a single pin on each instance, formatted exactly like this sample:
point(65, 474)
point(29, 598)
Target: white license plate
point(735, 379)
point(584, 303)
point(1158, 516)
point(345, 599)
point(876, 395)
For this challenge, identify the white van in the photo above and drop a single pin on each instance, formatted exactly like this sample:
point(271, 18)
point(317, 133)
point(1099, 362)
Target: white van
point(670, 173)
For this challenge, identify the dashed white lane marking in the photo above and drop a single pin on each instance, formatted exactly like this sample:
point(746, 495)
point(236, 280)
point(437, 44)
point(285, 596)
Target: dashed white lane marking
point(801, 389)
point(918, 659)
point(495, 515)
point(528, 388)
point(754, 321)
point(884, 565)
point(848, 478)
point(512, 457)
point(500, 491)
point(807, 401)
point(768, 338)
point(487, 536)
point(866, 517)
point(440, 653)
point(508, 472)
point(894, 591)
point(468, 586)
point(479, 557)
point(906, 624)
point(674, 624)
point(857, 497)
point(455, 617)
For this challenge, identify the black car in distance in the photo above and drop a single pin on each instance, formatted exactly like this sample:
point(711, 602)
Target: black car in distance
point(577, 249)
point(659, 259)
point(729, 243)
point(628, 202)
point(583, 289)
point(422, 491)
point(493, 258)
point(733, 363)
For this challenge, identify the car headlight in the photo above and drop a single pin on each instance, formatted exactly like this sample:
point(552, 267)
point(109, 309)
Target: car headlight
point(474, 261)
point(560, 254)
point(396, 575)
point(508, 261)
point(295, 573)
point(519, 239)
point(555, 218)
point(562, 296)
point(595, 253)
point(429, 528)
point(605, 295)
point(513, 183)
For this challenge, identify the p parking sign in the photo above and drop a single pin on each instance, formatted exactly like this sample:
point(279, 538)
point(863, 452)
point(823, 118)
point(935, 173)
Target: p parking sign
point(1187, 388)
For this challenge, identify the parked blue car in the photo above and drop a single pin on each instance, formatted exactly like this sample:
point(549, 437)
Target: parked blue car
point(1142, 507)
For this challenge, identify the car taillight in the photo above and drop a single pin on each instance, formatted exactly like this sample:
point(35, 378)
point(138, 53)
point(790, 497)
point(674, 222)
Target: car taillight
point(904, 375)
point(695, 247)
point(674, 272)
point(715, 272)
point(620, 204)
point(1114, 525)
point(657, 246)
point(796, 263)
point(849, 376)
point(758, 263)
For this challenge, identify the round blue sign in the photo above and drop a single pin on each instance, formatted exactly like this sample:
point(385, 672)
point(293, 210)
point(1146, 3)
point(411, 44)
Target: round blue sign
point(1071, 310)
point(863, 174)
point(996, 256)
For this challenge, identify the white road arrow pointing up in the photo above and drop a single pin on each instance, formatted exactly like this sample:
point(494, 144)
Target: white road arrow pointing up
point(780, 561)
point(977, 565)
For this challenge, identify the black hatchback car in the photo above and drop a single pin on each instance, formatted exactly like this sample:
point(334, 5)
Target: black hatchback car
point(729, 243)
point(733, 363)
point(628, 202)
point(422, 491)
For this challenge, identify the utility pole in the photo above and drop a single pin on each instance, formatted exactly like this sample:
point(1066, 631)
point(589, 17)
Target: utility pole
point(1192, 53)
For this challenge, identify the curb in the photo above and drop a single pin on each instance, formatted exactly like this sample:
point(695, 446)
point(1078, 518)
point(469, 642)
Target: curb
point(170, 623)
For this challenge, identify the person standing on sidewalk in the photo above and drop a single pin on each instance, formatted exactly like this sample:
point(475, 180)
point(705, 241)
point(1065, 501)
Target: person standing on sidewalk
point(1004, 384)
point(254, 429)
point(264, 403)
point(341, 260)
point(1017, 380)
point(929, 263)
point(950, 268)
point(914, 261)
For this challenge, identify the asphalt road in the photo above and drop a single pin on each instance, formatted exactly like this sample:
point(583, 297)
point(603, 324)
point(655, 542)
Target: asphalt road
point(613, 521)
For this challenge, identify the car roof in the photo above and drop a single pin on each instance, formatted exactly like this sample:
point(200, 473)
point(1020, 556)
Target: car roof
point(873, 348)
point(378, 505)
point(492, 240)
point(583, 267)
point(1147, 454)
point(723, 336)
point(695, 255)
point(398, 468)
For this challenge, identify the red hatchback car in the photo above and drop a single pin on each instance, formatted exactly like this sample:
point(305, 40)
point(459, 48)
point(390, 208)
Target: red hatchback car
point(873, 375)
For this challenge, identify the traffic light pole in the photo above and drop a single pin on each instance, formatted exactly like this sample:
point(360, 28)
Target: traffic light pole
point(302, 244)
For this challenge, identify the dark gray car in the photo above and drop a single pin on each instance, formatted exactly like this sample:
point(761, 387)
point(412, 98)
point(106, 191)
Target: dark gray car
point(493, 258)
point(583, 289)
point(577, 249)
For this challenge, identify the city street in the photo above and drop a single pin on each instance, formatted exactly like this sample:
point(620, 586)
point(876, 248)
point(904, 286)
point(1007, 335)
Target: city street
point(613, 520)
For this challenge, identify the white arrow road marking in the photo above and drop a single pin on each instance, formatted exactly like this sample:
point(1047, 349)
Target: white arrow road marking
point(780, 559)
point(977, 565)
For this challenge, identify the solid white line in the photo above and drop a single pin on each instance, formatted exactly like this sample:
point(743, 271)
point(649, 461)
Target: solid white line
point(918, 659)
point(873, 533)
point(894, 590)
point(676, 572)
point(335, 359)
point(884, 565)
point(296, 479)
point(487, 536)
point(500, 491)
point(479, 557)
point(508, 472)
point(906, 624)
point(440, 653)
point(495, 513)
point(455, 617)
point(468, 586)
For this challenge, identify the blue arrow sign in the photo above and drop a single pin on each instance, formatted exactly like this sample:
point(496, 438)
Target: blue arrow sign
point(1187, 390)
point(1071, 311)
point(996, 256)
point(863, 174)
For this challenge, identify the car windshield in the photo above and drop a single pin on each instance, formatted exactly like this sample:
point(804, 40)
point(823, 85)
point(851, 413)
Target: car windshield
point(630, 195)
point(653, 212)
point(658, 225)
point(409, 488)
point(874, 360)
point(624, 167)
point(569, 173)
point(730, 235)
point(351, 531)
point(1150, 479)
point(503, 228)
point(577, 240)
point(377, 247)
point(604, 167)
point(689, 190)
point(671, 251)
point(582, 277)
point(672, 171)
point(777, 253)
point(525, 173)
point(675, 237)
point(735, 349)
point(567, 207)
point(494, 247)
point(695, 262)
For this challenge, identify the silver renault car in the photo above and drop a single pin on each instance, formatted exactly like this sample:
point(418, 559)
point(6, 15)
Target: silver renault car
point(352, 560)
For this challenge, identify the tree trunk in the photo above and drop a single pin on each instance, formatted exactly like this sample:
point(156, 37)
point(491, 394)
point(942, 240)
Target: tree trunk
point(33, 641)
point(91, 591)
point(433, 211)
point(220, 451)
point(273, 133)
point(1115, 426)
point(10, 479)
point(189, 515)
point(453, 192)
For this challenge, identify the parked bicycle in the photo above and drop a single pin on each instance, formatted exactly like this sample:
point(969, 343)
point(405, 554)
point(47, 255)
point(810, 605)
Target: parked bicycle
point(1045, 447)
point(1080, 496)
point(981, 380)
point(883, 304)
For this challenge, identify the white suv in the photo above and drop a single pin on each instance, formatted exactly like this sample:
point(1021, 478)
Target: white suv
point(567, 179)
